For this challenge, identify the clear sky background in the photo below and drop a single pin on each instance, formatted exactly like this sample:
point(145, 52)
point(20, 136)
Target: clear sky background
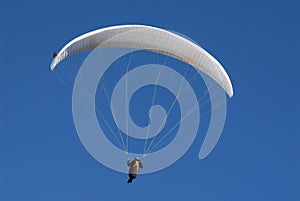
point(257, 157)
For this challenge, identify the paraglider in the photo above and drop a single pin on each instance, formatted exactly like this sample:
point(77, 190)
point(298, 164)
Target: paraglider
point(155, 40)
point(135, 165)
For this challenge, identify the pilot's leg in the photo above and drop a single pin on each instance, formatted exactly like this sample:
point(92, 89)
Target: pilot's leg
point(130, 178)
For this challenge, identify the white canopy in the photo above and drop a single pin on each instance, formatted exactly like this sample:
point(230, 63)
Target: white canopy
point(151, 39)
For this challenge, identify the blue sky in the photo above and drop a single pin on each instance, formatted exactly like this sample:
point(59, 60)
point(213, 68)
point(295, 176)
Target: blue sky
point(257, 157)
